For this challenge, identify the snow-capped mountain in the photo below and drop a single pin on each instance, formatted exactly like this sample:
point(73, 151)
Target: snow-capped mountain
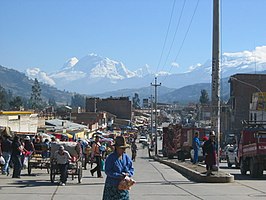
point(94, 74)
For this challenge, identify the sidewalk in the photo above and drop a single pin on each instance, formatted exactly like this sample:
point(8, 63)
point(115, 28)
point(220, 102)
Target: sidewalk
point(195, 172)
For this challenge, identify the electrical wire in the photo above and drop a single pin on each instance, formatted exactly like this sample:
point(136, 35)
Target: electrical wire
point(166, 36)
point(177, 27)
point(187, 30)
point(195, 9)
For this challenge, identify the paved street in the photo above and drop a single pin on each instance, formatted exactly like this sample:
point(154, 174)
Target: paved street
point(154, 181)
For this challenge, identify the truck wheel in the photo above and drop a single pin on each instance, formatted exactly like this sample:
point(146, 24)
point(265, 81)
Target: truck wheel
point(260, 173)
point(237, 163)
point(253, 168)
point(243, 169)
point(228, 162)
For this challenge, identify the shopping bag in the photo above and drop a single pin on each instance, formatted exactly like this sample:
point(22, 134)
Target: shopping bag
point(102, 165)
point(2, 160)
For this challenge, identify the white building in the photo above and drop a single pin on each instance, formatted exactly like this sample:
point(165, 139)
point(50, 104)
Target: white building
point(24, 122)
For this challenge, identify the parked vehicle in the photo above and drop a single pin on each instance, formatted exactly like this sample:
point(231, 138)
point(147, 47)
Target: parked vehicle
point(200, 155)
point(143, 139)
point(252, 150)
point(177, 140)
point(231, 156)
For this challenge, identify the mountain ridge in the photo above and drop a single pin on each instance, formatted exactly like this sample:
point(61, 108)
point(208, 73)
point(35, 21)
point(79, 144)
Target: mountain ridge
point(93, 74)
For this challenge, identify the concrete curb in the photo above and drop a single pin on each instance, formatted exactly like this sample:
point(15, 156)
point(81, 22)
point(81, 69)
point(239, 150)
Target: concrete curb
point(220, 177)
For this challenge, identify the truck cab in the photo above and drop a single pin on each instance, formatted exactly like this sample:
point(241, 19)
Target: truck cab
point(252, 151)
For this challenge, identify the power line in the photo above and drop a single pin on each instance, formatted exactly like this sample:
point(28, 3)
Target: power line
point(166, 36)
point(177, 27)
point(187, 31)
point(195, 9)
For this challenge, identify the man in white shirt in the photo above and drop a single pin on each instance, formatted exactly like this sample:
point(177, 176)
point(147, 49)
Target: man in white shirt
point(62, 158)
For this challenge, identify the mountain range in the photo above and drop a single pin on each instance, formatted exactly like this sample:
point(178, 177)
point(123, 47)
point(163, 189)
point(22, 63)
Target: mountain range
point(95, 75)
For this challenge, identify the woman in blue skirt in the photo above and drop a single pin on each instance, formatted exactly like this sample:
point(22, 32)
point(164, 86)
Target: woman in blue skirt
point(117, 165)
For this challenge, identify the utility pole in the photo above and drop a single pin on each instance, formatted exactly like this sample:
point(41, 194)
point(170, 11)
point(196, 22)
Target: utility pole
point(215, 117)
point(151, 100)
point(156, 134)
point(151, 128)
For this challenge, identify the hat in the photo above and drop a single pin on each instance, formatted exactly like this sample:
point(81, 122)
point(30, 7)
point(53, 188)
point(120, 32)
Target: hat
point(120, 141)
point(205, 138)
point(212, 133)
point(27, 138)
point(61, 147)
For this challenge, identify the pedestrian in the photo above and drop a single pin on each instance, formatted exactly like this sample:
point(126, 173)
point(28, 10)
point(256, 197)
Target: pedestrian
point(209, 151)
point(28, 145)
point(96, 154)
point(134, 149)
point(118, 165)
point(17, 150)
point(46, 146)
point(62, 158)
point(196, 147)
point(6, 151)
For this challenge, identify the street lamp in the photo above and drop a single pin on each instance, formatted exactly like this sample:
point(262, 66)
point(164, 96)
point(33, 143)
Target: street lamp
point(70, 109)
point(262, 95)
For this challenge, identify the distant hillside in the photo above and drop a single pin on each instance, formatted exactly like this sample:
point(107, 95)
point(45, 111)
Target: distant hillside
point(190, 93)
point(144, 92)
point(20, 85)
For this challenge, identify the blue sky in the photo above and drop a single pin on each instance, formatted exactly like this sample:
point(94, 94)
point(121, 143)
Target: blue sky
point(46, 33)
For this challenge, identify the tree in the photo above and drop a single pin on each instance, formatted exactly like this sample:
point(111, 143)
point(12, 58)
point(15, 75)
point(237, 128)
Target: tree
point(16, 103)
point(204, 98)
point(78, 101)
point(3, 96)
point(136, 101)
point(51, 102)
point(35, 99)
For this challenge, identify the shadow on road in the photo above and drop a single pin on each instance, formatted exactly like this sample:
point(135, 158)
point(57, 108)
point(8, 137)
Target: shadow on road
point(30, 183)
point(248, 177)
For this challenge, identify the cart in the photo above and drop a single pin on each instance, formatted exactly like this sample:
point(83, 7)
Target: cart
point(37, 161)
point(74, 166)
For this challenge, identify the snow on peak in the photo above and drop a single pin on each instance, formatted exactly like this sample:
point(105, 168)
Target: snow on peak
point(70, 63)
point(141, 72)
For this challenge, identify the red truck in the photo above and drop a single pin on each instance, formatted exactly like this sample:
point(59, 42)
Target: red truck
point(177, 140)
point(252, 151)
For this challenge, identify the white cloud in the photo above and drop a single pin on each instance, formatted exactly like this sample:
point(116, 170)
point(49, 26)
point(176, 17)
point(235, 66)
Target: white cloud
point(174, 64)
point(258, 55)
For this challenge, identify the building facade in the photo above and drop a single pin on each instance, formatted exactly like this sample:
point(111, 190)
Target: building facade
point(121, 107)
point(242, 87)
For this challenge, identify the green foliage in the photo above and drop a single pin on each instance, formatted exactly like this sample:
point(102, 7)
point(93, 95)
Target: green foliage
point(78, 101)
point(3, 97)
point(16, 103)
point(36, 102)
point(204, 98)
point(136, 101)
point(52, 102)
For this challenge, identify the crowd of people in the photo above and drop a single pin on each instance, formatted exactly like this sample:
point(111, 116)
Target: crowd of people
point(108, 155)
point(16, 150)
